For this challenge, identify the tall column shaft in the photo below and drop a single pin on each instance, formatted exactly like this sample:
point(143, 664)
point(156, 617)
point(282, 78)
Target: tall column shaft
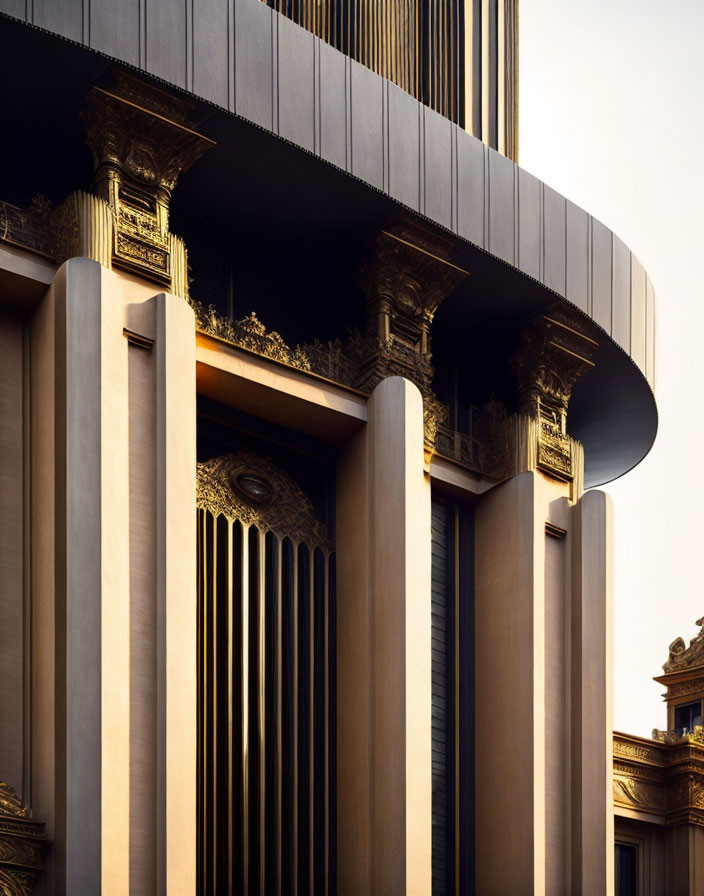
point(113, 536)
point(384, 651)
point(510, 687)
point(592, 709)
point(175, 348)
point(543, 683)
point(92, 583)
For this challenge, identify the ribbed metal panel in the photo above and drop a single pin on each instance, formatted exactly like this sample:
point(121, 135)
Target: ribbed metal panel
point(442, 604)
point(255, 68)
point(264, 709)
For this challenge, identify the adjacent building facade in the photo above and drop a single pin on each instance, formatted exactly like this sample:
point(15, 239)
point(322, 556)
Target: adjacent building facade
point(659, 788)
point(303, 383)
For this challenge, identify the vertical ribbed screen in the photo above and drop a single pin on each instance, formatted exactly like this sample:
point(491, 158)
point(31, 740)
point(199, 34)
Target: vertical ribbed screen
point(457, 56)
point(265, 709)
point(442, 606)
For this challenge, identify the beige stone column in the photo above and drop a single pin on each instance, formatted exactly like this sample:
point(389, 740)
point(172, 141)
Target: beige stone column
point(592, 710)
point(510, 683)
point(384, 651)
point(175, 348)
point(91, 624)
point(521, 644)
point(112, 700)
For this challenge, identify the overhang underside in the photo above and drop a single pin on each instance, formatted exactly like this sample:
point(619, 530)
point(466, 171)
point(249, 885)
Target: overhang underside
point(299, 224)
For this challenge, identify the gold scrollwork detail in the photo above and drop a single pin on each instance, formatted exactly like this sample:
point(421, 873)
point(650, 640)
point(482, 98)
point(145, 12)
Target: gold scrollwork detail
point(634, 792)
point(683, 657)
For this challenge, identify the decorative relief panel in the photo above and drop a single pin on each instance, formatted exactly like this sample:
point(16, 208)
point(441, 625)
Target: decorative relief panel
point(21, 844)
point(245, 487)
point(651, 755)
point(666, 777)
point(633, 792)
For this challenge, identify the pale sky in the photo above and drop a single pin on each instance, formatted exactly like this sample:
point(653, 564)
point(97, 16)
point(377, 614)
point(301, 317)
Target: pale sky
point(612, 116)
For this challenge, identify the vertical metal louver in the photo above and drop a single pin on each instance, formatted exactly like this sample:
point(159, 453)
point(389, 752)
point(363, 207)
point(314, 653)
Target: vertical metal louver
point(266, 591)
point(460, 57)
point(452, 665)
point(442, 608)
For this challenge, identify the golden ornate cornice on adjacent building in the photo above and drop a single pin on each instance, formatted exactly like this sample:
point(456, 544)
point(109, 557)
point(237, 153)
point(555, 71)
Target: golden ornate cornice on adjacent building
point(21, 843)
point(247, 488)
point(663, 778)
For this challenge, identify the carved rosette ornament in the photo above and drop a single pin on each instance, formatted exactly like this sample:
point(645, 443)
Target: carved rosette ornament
point(141, 144)
point(555, 351)
point(21, 843)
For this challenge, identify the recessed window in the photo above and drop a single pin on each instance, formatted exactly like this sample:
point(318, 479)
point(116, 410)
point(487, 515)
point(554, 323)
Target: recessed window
point(687, 716)
point(625, 867)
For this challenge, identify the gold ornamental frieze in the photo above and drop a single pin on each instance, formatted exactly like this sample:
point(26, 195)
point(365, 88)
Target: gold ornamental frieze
point(663, 776)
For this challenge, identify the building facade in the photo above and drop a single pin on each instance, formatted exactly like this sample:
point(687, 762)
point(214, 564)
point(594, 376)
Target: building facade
point(659, 788)
point(304, 381)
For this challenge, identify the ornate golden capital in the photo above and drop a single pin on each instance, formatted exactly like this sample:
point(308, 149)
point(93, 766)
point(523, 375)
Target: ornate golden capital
point(405, 276)
point(555, 351)
point(141, 144)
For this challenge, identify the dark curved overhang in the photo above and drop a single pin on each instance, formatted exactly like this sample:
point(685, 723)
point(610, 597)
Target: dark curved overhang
point(368, 148)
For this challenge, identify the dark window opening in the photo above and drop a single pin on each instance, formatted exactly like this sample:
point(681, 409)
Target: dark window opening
point(687, 716)
point(452, 604)
point(626, 869)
